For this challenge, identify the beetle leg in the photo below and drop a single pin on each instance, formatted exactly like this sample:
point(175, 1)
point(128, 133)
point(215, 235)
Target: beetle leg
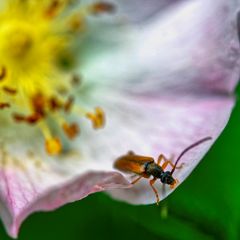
point(166, 163)
point(136, 180)
point(174, 185)
point(160, 158)
point(151, 182)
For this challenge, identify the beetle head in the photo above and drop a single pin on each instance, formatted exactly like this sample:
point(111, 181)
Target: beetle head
point(167, 178)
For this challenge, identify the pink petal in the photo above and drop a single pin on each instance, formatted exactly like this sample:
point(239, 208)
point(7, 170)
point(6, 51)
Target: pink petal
point(179, 104)
point(145, 125)
point(192, 46)
point(24, 192)
point(167, 125)
point(137, 11)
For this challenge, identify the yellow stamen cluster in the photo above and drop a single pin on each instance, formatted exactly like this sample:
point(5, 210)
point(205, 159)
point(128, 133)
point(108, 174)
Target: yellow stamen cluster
point(37, 40)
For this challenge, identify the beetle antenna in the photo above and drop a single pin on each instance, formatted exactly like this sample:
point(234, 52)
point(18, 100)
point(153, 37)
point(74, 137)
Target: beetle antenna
point(187, 149)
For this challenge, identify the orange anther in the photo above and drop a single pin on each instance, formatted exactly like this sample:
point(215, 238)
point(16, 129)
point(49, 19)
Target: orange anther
point(18, 117)
point(71, 130)
point(4, 105)
point(53, 146)
point(34, 118)
point(38, 103)
point(97, 118)
point(31, 119)
point(68, 105)
point(55, 104)
point(102, 7)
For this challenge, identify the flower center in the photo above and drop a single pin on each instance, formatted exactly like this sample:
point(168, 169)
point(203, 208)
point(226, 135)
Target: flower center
point(36, 65)
point(19, 43)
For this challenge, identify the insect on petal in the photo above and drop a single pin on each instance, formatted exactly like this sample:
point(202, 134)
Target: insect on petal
point(163, 74)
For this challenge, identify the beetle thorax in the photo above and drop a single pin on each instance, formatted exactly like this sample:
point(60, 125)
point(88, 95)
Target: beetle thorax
point(152, 169)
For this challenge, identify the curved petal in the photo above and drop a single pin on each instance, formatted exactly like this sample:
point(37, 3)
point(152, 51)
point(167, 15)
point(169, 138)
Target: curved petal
point(143, 10)
point(197, 41)
point(183, 107)
point(34, 186)
point(192, 46)
point(137, 11)
point(166, 125)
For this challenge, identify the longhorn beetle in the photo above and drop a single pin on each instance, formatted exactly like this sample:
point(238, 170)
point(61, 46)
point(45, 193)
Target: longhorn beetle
point(145, 167)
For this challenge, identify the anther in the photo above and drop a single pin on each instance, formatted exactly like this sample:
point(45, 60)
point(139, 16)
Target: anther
point(52, 9)
point(77, 23)
point(102, 7)
point(3, 73)
point(10, 91)
point(31, 119)
point(53, 146)
point(4, 105)
point(34, 118)
point(68, 105)
point(71, 130)
point(18, 117)
point(97, 118)
point(38, 103)
point(55, 104)
point(76, 80)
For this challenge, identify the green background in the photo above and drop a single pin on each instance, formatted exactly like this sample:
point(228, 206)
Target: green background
point(205, 206)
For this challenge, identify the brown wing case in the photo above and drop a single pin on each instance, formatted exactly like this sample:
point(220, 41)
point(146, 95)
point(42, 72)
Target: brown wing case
point(132, 163)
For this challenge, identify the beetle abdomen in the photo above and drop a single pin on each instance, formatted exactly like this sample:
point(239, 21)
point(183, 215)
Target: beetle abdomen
point(132, 163)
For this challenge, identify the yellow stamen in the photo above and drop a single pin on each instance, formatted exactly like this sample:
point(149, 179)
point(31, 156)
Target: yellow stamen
point(45, 130)
point(3, 73)
point(71, 130)
point(19, 44)
point(97, 118)
point(37, 58)
point(53, 146)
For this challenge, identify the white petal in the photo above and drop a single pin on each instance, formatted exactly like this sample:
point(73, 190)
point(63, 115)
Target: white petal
point(166, 125)
point(190, 46)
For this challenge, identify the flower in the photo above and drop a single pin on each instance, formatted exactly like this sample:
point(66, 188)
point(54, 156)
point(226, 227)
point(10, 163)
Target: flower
point(150, 76)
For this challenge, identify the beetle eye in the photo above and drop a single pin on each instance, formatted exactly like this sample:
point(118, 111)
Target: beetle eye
point(167, 178)
point(170, 180)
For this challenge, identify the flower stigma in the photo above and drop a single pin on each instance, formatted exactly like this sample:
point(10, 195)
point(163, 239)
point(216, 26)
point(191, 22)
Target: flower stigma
point(37, 63)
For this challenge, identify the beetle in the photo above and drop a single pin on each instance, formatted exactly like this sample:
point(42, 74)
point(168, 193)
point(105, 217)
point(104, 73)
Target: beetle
point(146, 167)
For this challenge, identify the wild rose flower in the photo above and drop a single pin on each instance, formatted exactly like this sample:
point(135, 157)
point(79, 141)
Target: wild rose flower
point(82, 84)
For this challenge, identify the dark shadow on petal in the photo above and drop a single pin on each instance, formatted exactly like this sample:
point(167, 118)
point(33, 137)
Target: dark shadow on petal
point(143, 10)
point(238, 25)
